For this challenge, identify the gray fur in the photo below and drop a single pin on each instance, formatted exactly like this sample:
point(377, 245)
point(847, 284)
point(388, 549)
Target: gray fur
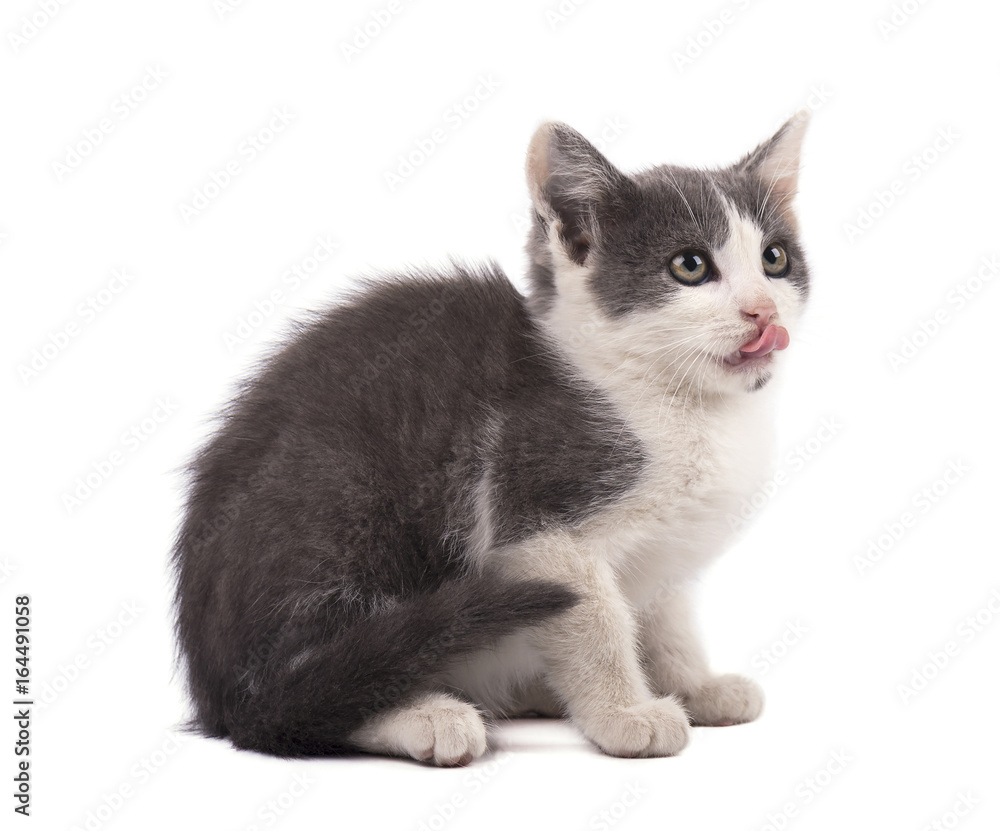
point(333, 564)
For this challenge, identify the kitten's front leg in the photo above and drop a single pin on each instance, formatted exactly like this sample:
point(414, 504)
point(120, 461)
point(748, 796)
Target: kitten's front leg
point(593, 663)
point(677, 665)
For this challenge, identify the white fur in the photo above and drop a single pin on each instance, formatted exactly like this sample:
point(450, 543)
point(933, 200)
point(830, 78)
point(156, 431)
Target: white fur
point(481, 535)
point(625, 662)
point(707, 440)
point(434, 727)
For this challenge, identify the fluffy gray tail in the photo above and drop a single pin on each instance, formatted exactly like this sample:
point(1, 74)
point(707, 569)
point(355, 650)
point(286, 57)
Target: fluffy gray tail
point(312, 706)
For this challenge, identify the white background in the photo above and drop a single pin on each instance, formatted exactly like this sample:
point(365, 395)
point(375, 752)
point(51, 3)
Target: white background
point(832, 642)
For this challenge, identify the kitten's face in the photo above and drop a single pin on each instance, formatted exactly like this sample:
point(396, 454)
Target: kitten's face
point(696, 274)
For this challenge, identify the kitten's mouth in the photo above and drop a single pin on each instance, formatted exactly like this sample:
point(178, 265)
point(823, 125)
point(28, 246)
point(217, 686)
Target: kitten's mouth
point(758, 351)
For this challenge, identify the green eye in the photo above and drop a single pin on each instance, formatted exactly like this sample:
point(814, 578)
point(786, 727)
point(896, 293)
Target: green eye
point(775, 261)
point(690, 268)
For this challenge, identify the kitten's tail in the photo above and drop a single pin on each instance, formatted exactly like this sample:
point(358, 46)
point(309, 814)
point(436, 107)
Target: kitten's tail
point(311, 706)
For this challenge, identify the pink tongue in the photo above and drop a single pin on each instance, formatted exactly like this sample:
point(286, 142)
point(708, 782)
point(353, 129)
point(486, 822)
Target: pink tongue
point(773, 337)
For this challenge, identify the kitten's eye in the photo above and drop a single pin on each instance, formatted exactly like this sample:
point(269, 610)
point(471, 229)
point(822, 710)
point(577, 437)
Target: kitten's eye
point(690, 268)
point(775, 261)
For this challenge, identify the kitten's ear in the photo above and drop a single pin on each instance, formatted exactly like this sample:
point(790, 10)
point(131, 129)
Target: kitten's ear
point(776, 161)
point(571, 183)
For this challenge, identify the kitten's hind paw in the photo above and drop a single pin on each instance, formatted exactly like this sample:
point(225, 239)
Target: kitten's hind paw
point(434, 728)
point(728, 699)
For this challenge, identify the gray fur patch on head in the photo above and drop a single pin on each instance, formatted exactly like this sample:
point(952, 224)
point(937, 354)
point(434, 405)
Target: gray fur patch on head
point(625, 229)
point(674, 208)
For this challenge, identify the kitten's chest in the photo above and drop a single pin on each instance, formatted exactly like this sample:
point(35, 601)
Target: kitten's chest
point(701, 463)
point(704, 453)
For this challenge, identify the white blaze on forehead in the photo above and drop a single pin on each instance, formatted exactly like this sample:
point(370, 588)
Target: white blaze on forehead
point(739, 258)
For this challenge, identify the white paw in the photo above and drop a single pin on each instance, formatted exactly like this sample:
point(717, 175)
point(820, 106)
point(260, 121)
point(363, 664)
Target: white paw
point(728, 699)
point(447, 732)
point(653, 728)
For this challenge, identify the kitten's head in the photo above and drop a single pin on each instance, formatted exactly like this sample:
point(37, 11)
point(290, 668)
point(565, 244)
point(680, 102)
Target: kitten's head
point(696, 275)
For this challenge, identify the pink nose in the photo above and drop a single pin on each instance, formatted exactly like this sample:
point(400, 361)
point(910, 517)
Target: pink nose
point(761, 313)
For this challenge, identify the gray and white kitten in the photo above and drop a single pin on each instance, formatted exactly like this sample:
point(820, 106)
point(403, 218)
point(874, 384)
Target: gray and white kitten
point(444, 502)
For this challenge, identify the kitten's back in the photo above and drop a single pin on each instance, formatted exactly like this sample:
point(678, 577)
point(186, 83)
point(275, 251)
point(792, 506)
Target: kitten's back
point(338, 499)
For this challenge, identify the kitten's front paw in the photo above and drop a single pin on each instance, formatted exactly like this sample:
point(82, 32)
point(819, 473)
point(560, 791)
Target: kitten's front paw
point(653, 728)
point(728, 699)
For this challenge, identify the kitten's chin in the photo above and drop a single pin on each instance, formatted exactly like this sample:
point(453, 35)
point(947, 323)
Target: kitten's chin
point(740, 363)
point(746, 373)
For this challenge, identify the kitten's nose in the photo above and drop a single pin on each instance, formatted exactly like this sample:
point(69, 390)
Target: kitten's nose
point(761, 313)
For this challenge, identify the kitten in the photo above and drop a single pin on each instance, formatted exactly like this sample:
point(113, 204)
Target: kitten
point(444, 502)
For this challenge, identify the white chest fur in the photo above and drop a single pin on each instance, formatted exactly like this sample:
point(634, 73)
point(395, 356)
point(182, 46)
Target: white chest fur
point(705, 454)
point(706, 449)
point(704, 457)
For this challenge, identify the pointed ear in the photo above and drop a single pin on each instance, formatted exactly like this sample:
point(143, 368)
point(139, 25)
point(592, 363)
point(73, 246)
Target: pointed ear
point(572, 184)
point(776, 161)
